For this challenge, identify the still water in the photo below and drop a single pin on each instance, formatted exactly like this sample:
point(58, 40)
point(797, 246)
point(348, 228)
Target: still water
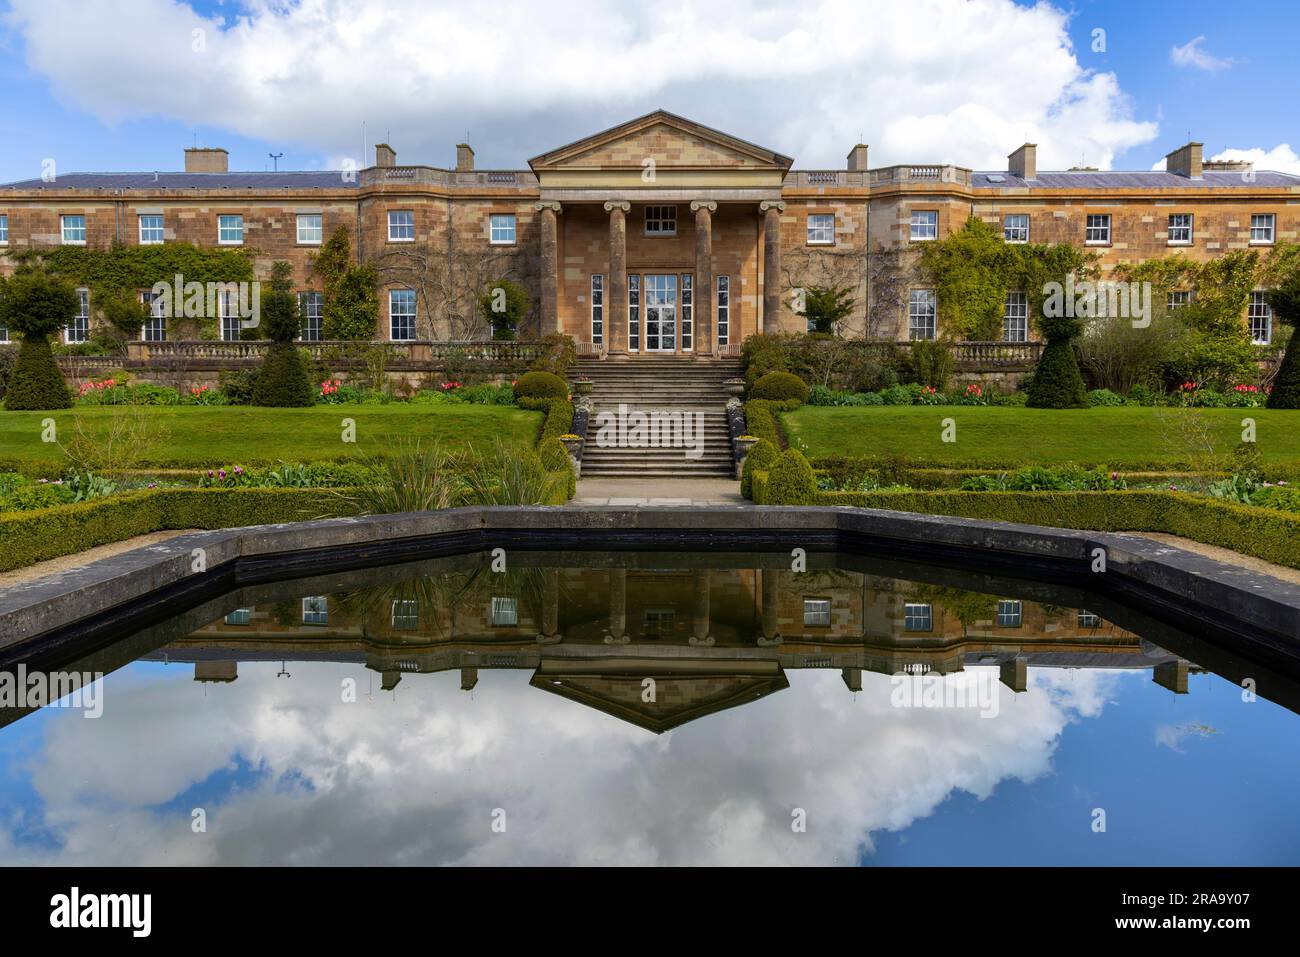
point(652, 708)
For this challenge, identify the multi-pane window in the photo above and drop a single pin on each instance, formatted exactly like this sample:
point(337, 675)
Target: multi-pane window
point(1010, 614)
point(821, 229)
point(661, 220)
point(228, 313)
point(78, 330)
point(315, 610)
point(311, 309)
point(401, 314)
point(1087, 619)
point(1261, 227)
point(724, 309)
point(925, 224)
point(310, 231)
point(155, 327)
point(230, 230)
point(4, 228)
point(633, 312)
point(1180, 229)
point(817, 612)
point(406, 613)
point(920, 314)
point(1260, 317)
point(918, 617)
point(597, 309)
point(1015, 228)
point(1177, 298)
point(4, 332)
point(240, 616)
point(74, 230)
point(1015, 317)
point(502, 229)
point(151, 229)
point(1097, 229)
point(687, 329)
point(659, 622)
point(401, 226)
point(505, 612)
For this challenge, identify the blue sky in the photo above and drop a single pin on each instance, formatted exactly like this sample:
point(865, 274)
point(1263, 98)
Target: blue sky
point(924, 81)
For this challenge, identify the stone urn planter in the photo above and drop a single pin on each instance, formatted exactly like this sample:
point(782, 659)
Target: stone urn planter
point(734, 387)
point(573, 445)
point(743, 444)
point(582, 386)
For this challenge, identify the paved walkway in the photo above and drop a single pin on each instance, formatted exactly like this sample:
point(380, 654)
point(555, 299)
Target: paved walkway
point(629, 491)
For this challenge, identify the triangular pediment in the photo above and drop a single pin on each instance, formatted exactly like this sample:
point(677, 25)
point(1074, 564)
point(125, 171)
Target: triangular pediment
point(670, 141)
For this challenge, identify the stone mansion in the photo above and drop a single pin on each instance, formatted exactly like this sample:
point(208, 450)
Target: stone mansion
point(656, 236)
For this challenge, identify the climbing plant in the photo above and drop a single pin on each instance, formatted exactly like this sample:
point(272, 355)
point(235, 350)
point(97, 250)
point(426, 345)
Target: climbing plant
point(350, 291)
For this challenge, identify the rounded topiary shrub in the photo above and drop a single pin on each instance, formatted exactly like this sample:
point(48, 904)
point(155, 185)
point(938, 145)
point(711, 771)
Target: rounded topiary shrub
point(555, 458)
point(791, 480)
point(780, 386)
point(761, 457)
point(541, 385)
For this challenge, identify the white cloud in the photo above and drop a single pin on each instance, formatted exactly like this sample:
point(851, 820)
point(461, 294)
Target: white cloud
point(414, 778)
point(1281, 158)
point(1192, 54)
point(926, 80)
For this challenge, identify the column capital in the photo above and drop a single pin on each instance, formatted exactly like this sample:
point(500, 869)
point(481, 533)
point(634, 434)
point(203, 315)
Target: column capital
point(549, 204)
point(699, 204)
point(767, 204)
point(614, 204)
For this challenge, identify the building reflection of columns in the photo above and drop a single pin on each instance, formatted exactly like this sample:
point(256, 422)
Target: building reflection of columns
point(616, 295)
point(701, 625)
point(550, 633)
point(703, 340)
point(617, 634)
point(771, 211)
point(768, 631)
point(550, 260)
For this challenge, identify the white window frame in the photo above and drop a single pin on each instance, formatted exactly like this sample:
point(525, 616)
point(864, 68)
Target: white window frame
point(1011, 613)
point(393, 295)
point(305, 230)
point(686, 312)
point(239, 617)
point(1008, 229)
point(307, 317)
point(80, 324)
point(4, 229)
point(916, 614)
point(924, 230)
point(922, 314)
point(1086, 619)
point(817, 612)
point(597, 309)
point(1096, 229)
point(1177, 298)
point(64, 228)
point(722, 311)
point(401, 226)
point(661, 220)
point(504, 611)
point(1015, 317)
point(228, 319)
point(502, 229)
point(146, 233)
point(228, 233)
point(1259, 311)
point(316, 610)
point(1263, 229)
point(1180, 232)
point(157, 321)
point(821, 229)
point(405, 614)
point(633, 312)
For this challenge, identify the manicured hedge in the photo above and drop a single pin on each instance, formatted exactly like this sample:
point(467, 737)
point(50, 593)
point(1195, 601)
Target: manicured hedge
point(760, 458)
point(844, 470)
point(761, 421)
point(559, 416)
point(791, 480)
point(1271, 535)
point(555, 458)
point(35, 536)
point(780, 386)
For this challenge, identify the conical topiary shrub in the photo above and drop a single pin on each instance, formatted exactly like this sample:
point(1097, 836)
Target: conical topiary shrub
point(1057, 382)
point(283, 379)
point(35, 305)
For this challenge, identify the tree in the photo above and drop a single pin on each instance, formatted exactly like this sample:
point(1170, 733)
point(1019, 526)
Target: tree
point(35, 305)
point(350, 291)
point(1285, 302)
point(504, 305)
point(283, 380)
point(825, 307)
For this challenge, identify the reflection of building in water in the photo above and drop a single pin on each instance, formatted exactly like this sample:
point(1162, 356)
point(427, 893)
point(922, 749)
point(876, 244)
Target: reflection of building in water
point(703, 639)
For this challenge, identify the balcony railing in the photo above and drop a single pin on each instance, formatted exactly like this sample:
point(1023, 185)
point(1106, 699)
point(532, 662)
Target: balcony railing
point(433, 176)
point(929, 173)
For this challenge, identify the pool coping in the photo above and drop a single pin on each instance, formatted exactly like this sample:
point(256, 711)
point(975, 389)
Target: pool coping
point(163, 574)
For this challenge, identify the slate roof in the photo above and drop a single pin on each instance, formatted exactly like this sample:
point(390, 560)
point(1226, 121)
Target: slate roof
point(1139, 179)
point(323, 179)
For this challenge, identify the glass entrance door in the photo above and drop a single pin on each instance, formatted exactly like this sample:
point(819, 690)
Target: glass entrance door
point(660, 294)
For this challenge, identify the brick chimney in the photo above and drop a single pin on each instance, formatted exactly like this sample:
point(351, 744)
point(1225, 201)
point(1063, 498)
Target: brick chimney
point(464, 157)
point(1024, 162)
point(858, 158)
point(385, 155)
point(204, 159)
point(1185, 161)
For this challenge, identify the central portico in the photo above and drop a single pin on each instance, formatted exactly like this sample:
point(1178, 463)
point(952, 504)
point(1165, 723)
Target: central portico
point(659, 237)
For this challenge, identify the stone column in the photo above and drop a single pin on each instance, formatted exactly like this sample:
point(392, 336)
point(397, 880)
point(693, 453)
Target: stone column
point(771, 210)
point(768, 630)
point(616, 286)
point(701, 623)
point(550, 282)
point(702, 338)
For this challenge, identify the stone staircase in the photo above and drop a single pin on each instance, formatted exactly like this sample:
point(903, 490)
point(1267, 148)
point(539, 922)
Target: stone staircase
point(664, 384)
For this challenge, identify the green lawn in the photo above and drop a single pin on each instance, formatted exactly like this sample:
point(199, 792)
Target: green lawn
point(203, 437)
point(998, 437)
